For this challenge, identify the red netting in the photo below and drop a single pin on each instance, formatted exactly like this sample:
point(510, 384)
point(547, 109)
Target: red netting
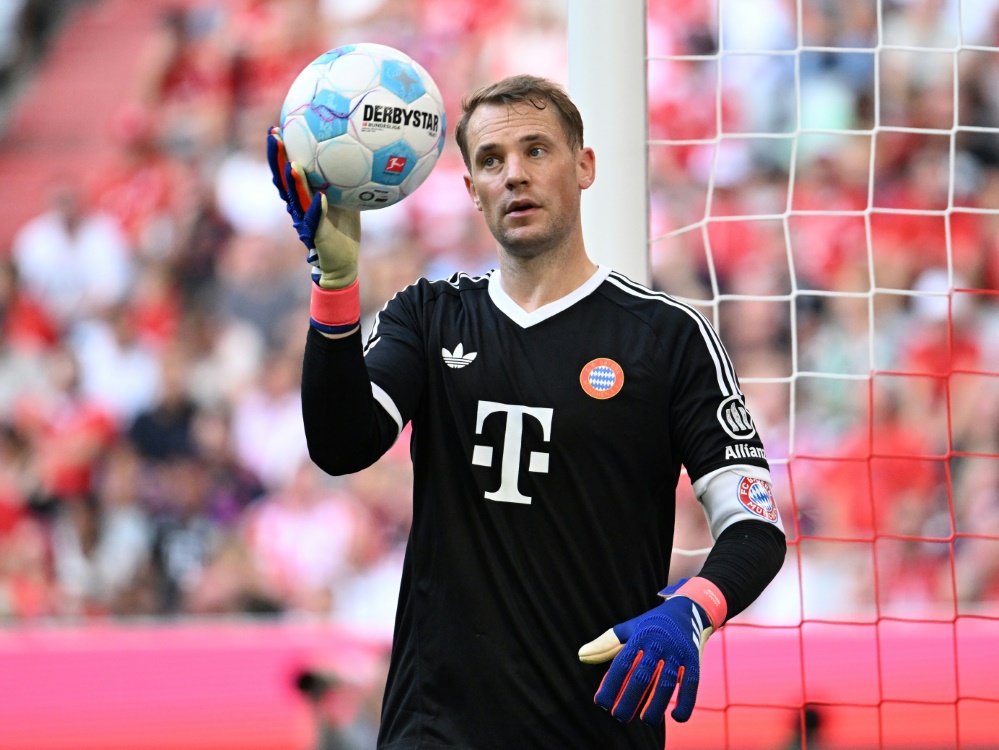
point(822, 189)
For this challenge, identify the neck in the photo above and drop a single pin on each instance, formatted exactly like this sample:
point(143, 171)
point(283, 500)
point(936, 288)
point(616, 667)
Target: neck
point(533, 282)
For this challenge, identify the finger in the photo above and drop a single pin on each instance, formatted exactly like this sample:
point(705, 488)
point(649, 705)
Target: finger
point(616, 678)
point(624, 686)
point(601, 649)
point(315, 214)
point(301, 184)
point(663, 684)
point(294, 202)
point(687, 679)
point(277, 159)
point(635, 688)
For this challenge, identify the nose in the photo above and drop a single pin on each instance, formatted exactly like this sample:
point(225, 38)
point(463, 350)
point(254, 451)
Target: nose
point(516, 174)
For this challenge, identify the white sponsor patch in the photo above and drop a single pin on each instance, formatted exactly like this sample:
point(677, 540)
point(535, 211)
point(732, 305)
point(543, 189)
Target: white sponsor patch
point(735, 420)
point(744, 451)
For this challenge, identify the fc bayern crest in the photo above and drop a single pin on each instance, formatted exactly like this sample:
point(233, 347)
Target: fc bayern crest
point(601, 378)
point(758, 498)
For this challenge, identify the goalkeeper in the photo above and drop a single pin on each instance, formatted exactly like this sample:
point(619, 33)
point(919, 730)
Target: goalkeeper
point(553, 403)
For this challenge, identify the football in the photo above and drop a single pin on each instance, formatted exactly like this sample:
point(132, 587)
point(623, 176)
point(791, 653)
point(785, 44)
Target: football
point(367, 124)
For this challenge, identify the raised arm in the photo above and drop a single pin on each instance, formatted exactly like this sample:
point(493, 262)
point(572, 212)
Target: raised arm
point(345, 427)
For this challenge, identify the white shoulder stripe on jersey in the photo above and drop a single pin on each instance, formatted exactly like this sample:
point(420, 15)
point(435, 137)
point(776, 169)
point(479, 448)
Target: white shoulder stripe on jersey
point(727, 382)
point(388, 405)
point(455, 278)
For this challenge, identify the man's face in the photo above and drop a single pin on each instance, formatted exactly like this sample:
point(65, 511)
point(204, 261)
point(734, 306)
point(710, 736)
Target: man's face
point(525, 178)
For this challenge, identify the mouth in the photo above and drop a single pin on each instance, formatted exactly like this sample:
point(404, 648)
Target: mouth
point(520, 207)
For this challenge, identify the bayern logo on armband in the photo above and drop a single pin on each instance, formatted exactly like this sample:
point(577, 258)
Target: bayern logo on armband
point(757, 497)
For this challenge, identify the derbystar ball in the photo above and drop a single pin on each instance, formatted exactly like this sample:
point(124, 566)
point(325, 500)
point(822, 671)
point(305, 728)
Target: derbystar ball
point(367, 124)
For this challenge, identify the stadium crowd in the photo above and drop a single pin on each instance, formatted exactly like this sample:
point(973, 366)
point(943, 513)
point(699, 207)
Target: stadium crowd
point(152, 457)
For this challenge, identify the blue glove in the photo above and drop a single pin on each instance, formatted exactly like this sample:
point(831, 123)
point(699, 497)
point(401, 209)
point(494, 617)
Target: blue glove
point(331, 235)
point(653, 653)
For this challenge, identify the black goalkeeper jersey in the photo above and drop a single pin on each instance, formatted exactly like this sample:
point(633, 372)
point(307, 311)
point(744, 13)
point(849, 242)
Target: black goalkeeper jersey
point(546, 449)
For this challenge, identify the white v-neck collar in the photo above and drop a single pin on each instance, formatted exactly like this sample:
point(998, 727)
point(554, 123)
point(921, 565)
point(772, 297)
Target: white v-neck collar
point(527, 319)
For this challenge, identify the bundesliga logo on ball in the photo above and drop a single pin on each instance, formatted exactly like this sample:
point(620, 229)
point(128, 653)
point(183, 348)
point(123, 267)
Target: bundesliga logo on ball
point(367, 124)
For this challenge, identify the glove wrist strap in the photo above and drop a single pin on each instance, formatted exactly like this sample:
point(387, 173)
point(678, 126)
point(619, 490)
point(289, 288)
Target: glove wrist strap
point(335, 310)
point(709, 596)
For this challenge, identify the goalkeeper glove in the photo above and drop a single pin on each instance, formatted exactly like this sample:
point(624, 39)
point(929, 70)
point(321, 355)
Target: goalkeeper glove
point(655, 652)
point(332, 235)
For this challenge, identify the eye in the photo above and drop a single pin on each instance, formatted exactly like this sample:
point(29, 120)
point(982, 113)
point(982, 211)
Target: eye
point(489, 162)
point(536, 151)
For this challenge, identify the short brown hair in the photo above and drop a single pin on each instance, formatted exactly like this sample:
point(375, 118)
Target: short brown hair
point(539, 92)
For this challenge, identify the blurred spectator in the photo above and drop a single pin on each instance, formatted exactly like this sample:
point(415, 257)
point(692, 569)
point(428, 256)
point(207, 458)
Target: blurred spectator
point(226, 356)
point(201, 235)
point(76, 263)
point(267, 427)
point(163, 430)
point(27, 588)
point(117, 368)
point(261, 282)
point(17, 477)
point(25, 325)
point(186, 78)
point(305, 538)
point(232, 487)
point(141, 187)
point(244, 193)
point(68, 433)
point(100, 543)
point(367, 595)
point(185, 538)
point(27, 333)
point(272, 40)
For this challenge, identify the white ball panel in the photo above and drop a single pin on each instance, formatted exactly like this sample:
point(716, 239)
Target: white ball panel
point(419, 174)
point(302, 90)
point(369, 197)
point(352, 74)
point(421, 136)
point(299, 143)
point(381, 52)
point(344, 162)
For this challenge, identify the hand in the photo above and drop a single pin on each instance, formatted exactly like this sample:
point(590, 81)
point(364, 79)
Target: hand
point(653, 653)
point(332, 235)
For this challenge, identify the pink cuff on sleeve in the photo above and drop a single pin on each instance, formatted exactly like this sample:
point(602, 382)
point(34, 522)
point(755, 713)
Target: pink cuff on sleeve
point(336, 307)
point(709, 596)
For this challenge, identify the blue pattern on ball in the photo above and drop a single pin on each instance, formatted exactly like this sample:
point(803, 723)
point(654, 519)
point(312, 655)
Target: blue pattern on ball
point(333, 54)
point(383, 158)
point(327, 115)
point(402, 80)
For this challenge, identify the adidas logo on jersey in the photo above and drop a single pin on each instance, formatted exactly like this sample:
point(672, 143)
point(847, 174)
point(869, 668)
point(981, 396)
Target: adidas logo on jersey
point(458, 359)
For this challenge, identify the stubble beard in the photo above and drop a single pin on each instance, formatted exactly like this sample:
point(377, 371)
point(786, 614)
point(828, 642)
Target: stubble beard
point(546, 242)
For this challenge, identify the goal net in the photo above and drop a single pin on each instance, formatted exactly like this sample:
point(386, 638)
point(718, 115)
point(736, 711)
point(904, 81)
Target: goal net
point(824, 186)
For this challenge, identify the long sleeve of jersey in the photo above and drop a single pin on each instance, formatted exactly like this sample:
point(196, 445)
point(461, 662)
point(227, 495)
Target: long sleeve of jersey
point(346, 428)
point(743, 561)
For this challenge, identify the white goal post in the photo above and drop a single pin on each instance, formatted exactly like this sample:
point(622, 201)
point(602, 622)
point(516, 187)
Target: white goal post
point(607, 81)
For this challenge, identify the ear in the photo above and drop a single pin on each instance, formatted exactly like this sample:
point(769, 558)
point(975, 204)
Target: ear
point(470, 187)
point(586, 167)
